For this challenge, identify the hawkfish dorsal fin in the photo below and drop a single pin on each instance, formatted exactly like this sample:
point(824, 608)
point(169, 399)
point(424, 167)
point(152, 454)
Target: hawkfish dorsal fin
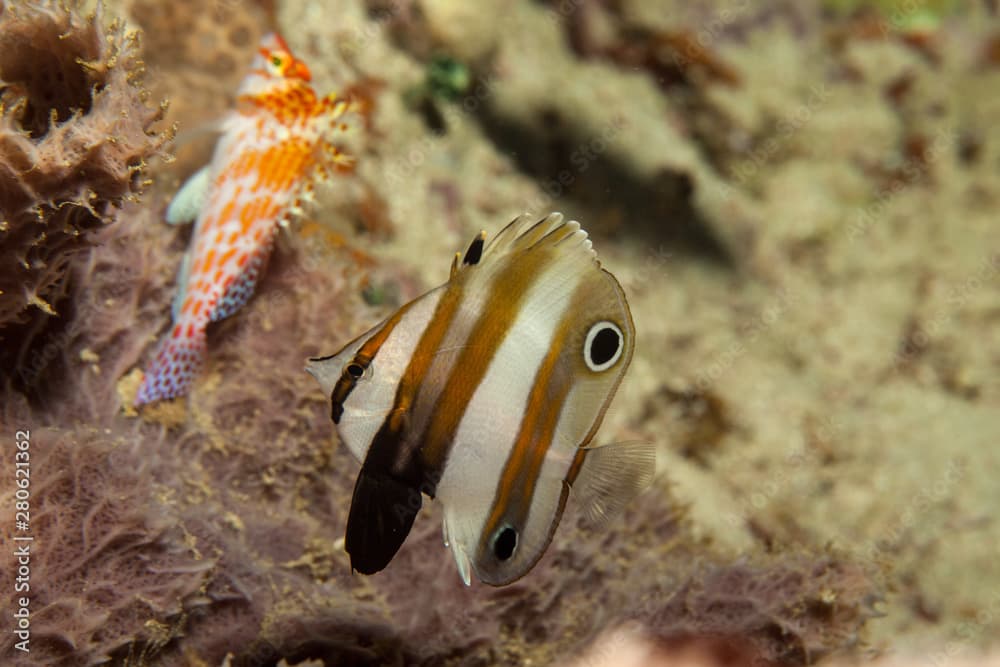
point(190, 199)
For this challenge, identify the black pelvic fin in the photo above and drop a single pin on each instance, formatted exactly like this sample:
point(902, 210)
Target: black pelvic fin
point(382, 513)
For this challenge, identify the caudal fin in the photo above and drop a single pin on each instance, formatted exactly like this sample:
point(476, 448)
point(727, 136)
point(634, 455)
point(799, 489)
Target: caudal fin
point(174, 368)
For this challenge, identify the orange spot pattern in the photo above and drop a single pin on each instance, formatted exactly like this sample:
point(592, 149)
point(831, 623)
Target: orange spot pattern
point(290, 103)
point(276, 144)
point(278, 168)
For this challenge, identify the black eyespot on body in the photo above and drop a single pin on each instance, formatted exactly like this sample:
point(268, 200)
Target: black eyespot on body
point(505, 543)
point(355, 370)
point(603, 346)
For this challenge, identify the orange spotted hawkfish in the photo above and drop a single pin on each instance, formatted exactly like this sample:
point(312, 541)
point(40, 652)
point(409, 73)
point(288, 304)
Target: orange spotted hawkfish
point(272, 148)
point(486, 394)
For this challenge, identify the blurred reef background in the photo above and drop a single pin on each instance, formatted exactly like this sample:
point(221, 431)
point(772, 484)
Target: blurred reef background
point(801, 200)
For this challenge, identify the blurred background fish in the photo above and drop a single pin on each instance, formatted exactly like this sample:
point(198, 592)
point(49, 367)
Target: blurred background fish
point(272, 147)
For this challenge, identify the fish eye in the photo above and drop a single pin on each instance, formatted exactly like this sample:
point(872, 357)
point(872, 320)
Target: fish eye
point(603, 346)
point(355, 370)
point(505, 543)
point(276, 61)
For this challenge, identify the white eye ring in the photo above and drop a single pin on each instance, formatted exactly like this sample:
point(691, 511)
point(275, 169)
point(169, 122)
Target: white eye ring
point(604, 362)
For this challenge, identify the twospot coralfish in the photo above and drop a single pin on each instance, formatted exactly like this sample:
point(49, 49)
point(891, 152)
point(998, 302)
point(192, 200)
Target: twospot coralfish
point(486, 394)
point(272, 147)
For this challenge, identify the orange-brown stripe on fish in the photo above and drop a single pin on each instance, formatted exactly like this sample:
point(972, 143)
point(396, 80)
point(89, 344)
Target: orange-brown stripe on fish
point(517, 485)
point(508, 289)
point(482, 395)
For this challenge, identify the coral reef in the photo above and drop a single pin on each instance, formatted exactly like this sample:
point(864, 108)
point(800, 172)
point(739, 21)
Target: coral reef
point(803, 217)
point(75, 136)
point(253, 485)
point(242, 492)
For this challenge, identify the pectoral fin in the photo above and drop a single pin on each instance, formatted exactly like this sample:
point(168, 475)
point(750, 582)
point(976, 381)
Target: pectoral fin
point(188, 201)
point(611, 476)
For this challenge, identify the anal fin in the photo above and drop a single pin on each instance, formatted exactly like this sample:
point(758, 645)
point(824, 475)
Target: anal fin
point(382, 513)
point(242, 287)
point(457, 546)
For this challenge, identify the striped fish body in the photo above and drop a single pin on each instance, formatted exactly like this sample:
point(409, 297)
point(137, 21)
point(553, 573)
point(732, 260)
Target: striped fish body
point(271, 148)
point(486, 394)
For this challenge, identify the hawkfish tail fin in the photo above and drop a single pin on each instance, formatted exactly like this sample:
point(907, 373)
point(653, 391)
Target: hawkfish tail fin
point(175, 366)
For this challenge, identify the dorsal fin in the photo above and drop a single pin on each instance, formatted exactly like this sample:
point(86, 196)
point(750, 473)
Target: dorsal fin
point(521, 235)
point(472, 255)
point(475, 251)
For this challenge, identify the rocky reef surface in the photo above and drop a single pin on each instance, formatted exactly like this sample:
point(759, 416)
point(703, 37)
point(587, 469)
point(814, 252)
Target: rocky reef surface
point(801, 204)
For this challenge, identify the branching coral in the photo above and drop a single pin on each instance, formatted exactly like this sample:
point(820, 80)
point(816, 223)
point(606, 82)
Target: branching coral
point(75, 134)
